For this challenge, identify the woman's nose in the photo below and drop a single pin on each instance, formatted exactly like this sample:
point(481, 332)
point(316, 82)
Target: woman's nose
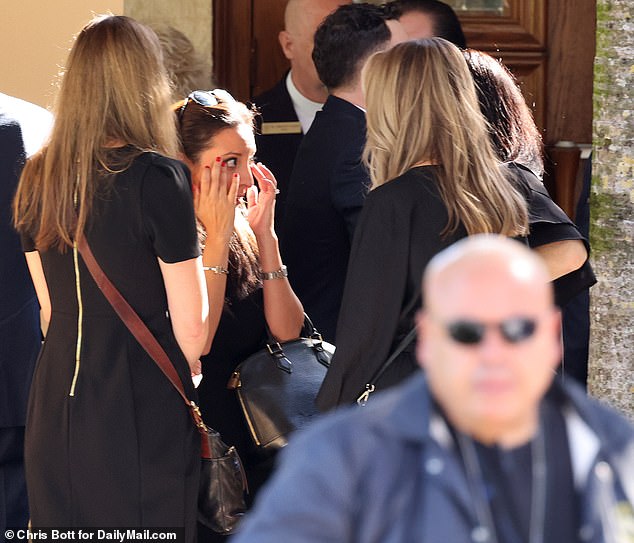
point(246, 178)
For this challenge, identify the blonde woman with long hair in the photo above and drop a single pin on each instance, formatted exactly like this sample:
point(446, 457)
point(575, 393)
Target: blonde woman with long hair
point(435, 179)
point(109, 441)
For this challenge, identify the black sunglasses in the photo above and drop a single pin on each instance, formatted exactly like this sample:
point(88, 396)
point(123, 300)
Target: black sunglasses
point(513, 330)
point(202, 98)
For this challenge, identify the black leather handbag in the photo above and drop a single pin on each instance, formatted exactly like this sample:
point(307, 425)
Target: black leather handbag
point(221, 502)
point(222, 483)
point(277, 386)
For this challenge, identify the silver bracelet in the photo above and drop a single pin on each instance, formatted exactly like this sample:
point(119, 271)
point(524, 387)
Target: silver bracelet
point(216, 269)
point(277, 274)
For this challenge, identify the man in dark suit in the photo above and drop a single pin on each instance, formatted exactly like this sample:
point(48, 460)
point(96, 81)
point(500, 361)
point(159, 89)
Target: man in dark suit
point(329, 182)
point(288, 109)
point(23, 127)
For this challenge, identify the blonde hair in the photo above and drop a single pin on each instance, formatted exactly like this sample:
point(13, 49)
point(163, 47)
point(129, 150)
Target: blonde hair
point(185, 66)
point(422, 107)
point(114, 91)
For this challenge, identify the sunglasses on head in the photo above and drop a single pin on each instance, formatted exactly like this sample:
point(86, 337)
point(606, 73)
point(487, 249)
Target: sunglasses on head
point(513, 330)
point(203, 98)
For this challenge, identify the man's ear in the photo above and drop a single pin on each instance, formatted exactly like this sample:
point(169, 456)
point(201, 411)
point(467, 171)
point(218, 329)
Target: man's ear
point(286, 43)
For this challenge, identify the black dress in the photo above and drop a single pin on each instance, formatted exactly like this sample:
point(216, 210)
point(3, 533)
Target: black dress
point(241, 332)
point(109, 442)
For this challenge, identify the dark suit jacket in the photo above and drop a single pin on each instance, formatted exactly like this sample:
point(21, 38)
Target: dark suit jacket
point(20, 335)
point(327, 190)
point(277, 150)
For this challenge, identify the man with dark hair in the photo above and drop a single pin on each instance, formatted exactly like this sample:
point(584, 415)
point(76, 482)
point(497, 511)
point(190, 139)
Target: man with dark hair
point(23, 128)
point(329, 182)
point(287, 110)
point(488, 445)
point(426, 19)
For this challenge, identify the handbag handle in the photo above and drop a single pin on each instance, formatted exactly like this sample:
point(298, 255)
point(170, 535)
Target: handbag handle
point(371, 385)
point(139, 330)
point(276, 349)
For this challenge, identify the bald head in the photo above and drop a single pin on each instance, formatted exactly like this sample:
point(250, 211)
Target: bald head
point(301, 19)
point(489, 337)
point(305, 15)
point(468, 263)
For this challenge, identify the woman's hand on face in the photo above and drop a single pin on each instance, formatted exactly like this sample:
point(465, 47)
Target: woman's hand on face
point(261, 204)
point(215, 200)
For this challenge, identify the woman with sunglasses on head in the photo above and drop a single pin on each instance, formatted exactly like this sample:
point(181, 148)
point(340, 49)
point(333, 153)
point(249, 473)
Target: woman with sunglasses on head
point(435, 179)
point(246, 280)
point(109, 442)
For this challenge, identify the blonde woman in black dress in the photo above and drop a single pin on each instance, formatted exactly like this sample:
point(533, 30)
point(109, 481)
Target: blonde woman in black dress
point(435, 179)
point(109, 441)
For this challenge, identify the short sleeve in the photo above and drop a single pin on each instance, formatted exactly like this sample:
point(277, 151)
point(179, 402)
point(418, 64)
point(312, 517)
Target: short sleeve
point(28, 245)
point(168, 211)
point(548, 222)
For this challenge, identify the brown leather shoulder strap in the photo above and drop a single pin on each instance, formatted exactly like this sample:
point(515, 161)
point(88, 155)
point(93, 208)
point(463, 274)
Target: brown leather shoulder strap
point(145, 338)
point(130, 318)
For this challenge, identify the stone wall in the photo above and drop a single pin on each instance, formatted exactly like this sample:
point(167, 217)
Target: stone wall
point(192, 17)
point(611, 362)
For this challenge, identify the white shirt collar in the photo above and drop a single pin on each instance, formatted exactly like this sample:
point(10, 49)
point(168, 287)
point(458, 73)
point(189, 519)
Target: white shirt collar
point(306, 109)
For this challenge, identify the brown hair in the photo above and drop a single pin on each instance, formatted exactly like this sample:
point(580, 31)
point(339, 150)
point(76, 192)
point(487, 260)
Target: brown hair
point(198, 125)
point(114, 89)
point(422, 106)
point(512, 130)
point(185, 66)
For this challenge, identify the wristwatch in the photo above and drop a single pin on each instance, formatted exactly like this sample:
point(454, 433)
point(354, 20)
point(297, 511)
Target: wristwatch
point(278, 274)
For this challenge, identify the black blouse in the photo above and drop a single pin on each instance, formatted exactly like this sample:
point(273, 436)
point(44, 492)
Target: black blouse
point(399, 231)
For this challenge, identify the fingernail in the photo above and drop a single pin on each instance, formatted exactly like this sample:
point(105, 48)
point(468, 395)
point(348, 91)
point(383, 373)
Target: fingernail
point(236, 175)
point(218, 159)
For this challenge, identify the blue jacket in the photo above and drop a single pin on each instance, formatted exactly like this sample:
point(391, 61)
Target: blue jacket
point(388, 473)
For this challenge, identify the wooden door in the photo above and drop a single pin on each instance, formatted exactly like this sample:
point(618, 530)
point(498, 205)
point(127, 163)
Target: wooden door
point(548, 45)
point(515, 32)
point(247, 55)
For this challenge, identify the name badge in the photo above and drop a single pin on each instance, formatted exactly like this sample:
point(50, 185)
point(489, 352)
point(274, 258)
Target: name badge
point(288, 127)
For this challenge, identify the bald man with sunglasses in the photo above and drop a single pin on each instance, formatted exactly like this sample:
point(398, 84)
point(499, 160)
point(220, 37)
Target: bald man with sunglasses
point(486, 446)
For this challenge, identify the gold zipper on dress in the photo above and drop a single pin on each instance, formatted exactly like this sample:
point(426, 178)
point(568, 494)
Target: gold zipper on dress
point(80, 317)
point(80, 307)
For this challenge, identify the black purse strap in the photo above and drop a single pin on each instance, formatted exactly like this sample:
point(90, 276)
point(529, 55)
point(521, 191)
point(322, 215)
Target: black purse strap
point(141, 332)
point(308, 331)
point(276, 349)
point(371, 385)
